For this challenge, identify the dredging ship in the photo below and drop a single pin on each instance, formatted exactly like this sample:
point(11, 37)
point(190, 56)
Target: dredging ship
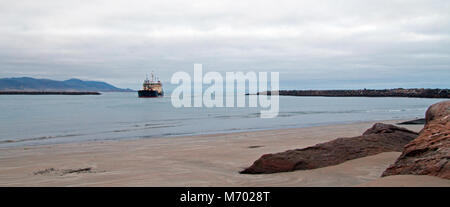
point(151, 88)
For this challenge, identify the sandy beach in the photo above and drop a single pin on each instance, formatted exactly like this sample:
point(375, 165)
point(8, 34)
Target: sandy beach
point(205, 160)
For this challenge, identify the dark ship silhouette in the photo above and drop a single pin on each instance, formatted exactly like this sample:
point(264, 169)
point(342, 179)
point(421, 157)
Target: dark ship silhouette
point(151, 88)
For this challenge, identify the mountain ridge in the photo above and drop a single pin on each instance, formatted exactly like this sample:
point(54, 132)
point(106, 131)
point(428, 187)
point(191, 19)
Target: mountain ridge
point(72, 84)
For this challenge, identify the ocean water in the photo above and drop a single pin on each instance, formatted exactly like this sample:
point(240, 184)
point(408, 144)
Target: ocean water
point(34, 120)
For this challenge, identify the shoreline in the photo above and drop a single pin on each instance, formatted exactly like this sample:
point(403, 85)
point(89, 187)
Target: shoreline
point(217, 133)
point(201, 160)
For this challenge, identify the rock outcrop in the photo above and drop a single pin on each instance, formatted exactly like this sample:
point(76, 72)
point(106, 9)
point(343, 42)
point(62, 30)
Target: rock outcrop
point(379, 138)
point(415, 121)
point(429, 154)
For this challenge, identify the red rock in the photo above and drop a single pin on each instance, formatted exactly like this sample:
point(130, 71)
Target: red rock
point(379, 138)
point(429, 153)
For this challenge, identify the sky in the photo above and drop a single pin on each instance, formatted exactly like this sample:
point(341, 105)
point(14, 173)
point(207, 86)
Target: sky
point(312, 44)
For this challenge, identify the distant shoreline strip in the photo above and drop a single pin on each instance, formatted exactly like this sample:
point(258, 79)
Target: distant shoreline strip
point(49, 93)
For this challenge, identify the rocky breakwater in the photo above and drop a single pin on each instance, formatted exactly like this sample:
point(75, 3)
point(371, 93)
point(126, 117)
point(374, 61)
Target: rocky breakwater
point(397, 92)
point(379, 138)
point(429, 153)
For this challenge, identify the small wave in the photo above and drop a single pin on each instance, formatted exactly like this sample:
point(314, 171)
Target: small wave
point(292, 113)
point(147, 126)
point(395, 110)
point(165, 135)
point(38, 138)
point(143, 128)
point(288, 114)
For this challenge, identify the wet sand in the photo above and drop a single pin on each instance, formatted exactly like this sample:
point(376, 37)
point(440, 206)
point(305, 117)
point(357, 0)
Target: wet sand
point(205, 160)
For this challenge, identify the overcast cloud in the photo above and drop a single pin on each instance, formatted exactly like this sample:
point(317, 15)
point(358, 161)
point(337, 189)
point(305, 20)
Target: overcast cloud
point(313, 44)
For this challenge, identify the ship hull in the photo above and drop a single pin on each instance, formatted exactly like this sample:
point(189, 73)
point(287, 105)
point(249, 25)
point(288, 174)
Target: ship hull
point(149, 94)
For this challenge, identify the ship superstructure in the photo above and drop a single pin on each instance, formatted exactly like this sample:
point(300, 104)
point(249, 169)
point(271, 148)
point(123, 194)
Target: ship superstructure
point(151, 88)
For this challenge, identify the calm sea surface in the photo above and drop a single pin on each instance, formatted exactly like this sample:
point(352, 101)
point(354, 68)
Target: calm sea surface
point(33, 120)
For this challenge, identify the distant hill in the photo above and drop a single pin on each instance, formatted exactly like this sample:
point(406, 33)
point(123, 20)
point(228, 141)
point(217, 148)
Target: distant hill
point(33, 84)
